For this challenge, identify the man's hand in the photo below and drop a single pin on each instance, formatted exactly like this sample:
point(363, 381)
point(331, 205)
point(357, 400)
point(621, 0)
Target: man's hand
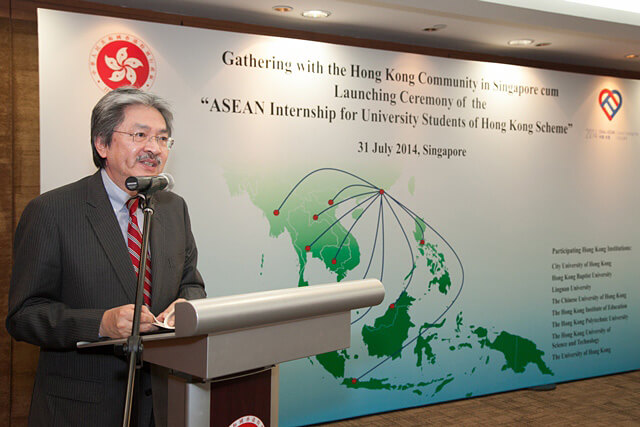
point(118, 321)
point(172, 321)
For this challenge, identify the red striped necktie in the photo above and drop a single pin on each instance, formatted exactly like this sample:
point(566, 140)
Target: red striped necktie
point(134, 242)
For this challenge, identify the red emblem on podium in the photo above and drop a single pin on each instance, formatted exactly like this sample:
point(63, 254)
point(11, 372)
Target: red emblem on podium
point(247, 421)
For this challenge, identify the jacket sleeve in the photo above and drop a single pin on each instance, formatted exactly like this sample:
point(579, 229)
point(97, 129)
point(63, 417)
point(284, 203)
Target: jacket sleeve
point(191, 284)
point(36, 314)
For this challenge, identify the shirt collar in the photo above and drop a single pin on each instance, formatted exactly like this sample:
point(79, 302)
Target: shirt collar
point(117, 196)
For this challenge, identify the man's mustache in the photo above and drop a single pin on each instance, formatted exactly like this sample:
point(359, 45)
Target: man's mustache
point(149, 156)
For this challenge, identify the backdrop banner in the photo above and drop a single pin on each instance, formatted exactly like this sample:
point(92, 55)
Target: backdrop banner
point(498, 204)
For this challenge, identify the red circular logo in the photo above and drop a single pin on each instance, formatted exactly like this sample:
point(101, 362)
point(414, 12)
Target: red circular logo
point(122, 60)
point(247, 421)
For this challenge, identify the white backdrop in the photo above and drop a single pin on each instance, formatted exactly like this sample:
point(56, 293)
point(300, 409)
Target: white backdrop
point(523, 241)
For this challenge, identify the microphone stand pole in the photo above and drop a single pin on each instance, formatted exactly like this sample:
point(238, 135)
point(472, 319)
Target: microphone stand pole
point(133, 348)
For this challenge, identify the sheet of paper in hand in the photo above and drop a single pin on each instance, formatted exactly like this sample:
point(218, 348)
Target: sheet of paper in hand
point(170, 318)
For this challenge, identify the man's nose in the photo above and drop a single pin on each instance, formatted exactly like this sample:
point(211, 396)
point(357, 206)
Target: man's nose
point(152, 145)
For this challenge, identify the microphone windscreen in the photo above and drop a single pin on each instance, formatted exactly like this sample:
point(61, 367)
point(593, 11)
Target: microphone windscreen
point(170, 181)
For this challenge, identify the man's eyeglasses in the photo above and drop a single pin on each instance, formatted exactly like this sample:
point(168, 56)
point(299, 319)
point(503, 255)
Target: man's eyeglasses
point(140, 137)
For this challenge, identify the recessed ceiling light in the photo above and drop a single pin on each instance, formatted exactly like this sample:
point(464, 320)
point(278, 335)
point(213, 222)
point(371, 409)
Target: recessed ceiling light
point(520, 42)
point(282, 8)
point(543, 44)
point(315, 14)
point(435, 28)
point(631, 56)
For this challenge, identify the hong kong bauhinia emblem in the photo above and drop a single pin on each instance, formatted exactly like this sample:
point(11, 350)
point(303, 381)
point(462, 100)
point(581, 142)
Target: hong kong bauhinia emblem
point(122, 60)
point(247, 421)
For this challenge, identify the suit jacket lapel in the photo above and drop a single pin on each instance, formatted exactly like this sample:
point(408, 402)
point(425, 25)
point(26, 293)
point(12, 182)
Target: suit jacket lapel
point(105, 225)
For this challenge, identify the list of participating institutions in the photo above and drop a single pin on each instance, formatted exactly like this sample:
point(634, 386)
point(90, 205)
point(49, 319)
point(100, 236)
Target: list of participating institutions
point(586, 306)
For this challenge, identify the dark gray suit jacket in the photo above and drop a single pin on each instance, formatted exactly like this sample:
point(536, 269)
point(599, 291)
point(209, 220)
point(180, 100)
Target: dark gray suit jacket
point(70, 265)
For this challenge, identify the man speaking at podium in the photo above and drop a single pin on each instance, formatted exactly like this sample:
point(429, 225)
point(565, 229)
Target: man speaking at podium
point(74, 275)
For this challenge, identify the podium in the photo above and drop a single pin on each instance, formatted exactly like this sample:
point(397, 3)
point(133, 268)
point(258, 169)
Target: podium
point(223, 356)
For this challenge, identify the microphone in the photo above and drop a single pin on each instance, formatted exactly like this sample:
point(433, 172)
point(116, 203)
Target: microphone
point(148, 185)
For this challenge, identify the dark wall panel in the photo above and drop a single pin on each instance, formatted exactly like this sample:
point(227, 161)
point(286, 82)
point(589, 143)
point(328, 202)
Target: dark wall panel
point(6, 205)
point(26, 184)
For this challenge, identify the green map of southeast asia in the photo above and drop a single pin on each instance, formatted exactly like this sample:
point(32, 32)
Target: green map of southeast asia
point(322, 211)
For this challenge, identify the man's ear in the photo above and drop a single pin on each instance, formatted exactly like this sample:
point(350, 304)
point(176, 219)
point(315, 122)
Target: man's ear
point(101, 147)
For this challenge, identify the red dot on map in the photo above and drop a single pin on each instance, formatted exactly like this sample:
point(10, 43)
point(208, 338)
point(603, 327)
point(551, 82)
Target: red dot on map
point(422, 242)
point(392, 306)
point(333, 261)
point(307, 248)
point(315, 217)
point(381, 191)
point(353, 380)
point(331, 201)
point(276, 212)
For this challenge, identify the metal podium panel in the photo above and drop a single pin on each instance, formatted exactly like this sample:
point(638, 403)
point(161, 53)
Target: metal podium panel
point(227, 353)
point(189, 403)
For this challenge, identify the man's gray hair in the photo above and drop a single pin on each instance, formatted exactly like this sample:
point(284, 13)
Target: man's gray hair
point(109, 113)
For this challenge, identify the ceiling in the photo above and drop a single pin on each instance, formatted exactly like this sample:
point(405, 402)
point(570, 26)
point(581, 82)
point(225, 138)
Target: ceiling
point(579, 34)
